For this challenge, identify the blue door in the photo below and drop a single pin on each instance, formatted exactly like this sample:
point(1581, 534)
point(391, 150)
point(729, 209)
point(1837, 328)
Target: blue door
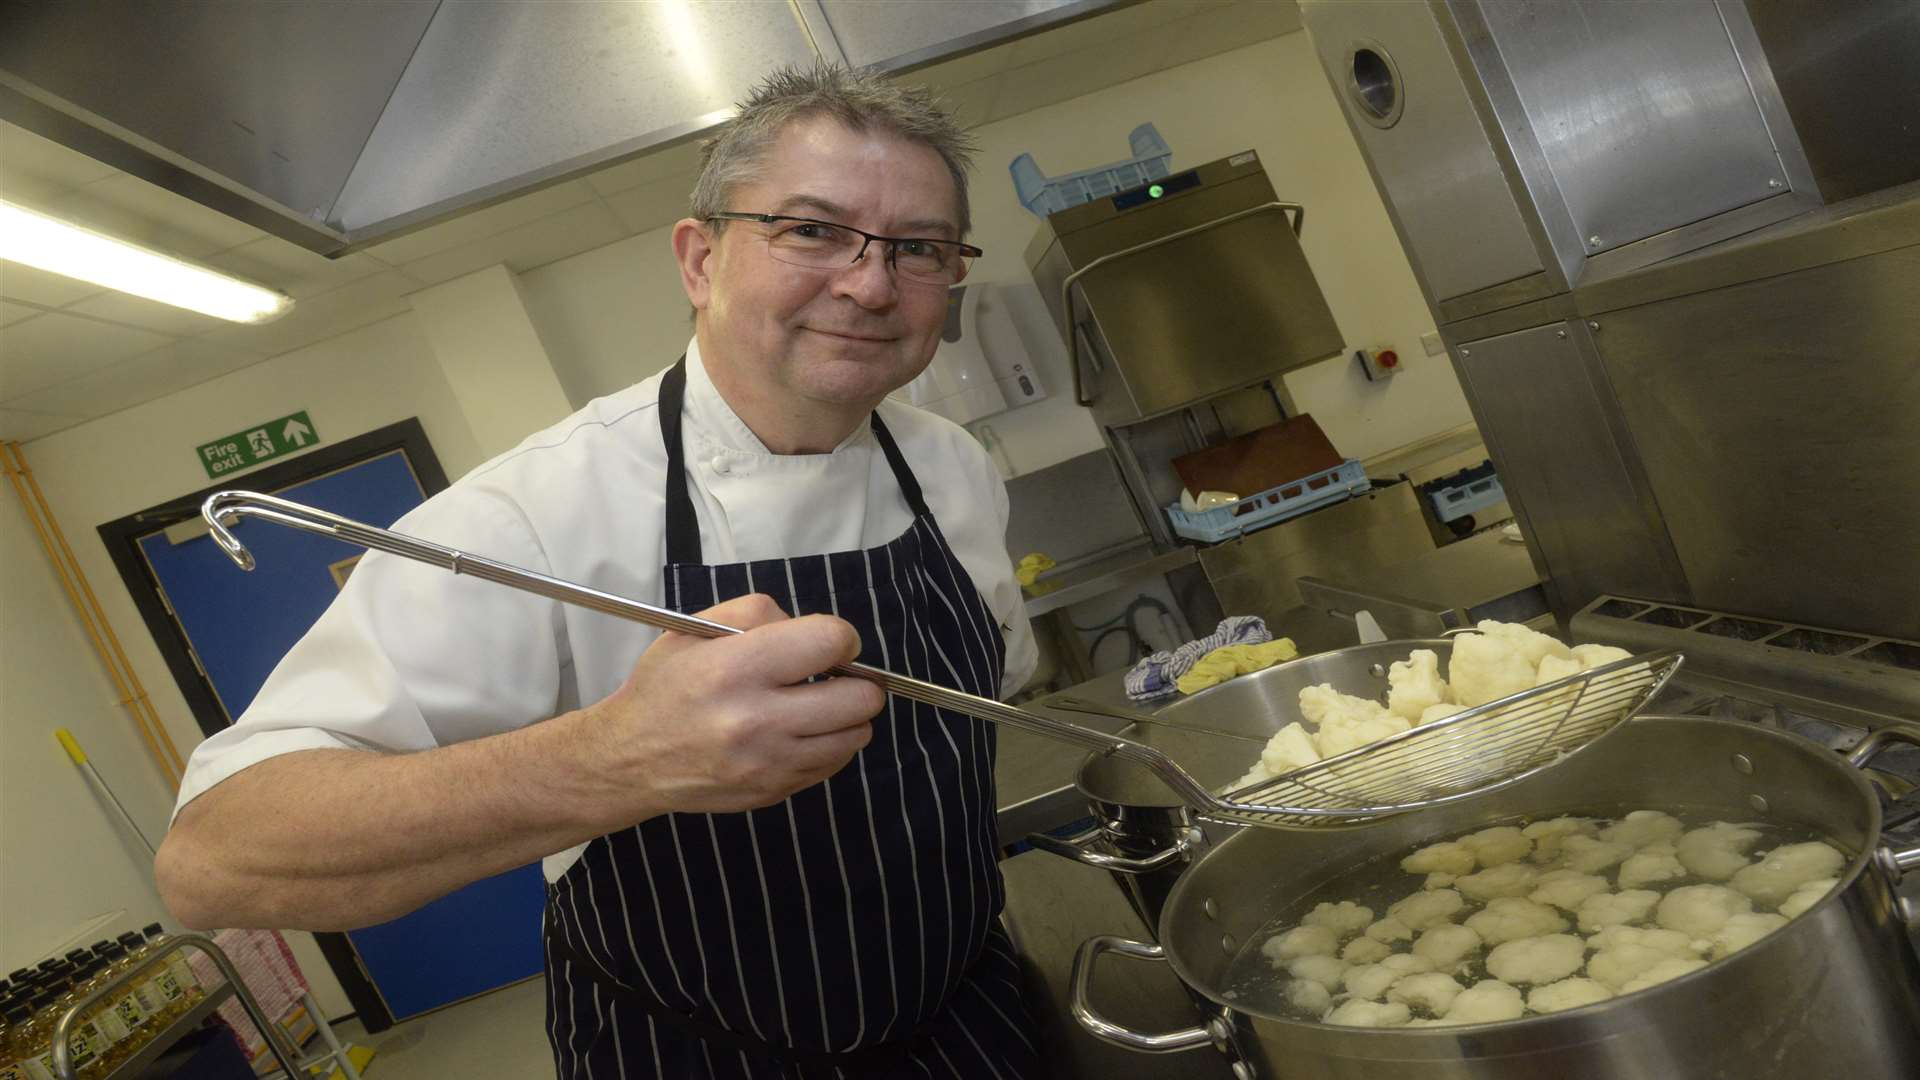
point(239, 624)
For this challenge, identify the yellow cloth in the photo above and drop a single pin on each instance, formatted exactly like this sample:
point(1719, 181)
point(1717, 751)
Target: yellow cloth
point(1032, 566)
point(1230, 660)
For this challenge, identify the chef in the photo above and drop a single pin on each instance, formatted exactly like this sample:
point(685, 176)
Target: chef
point(752, 872)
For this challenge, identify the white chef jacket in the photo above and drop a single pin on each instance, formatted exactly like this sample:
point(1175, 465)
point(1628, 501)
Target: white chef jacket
point(410, 656)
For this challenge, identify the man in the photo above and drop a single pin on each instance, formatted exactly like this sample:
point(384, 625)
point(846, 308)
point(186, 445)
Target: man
point(759, 874)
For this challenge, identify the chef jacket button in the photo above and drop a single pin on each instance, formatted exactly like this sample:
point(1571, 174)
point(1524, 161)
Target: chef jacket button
point(721, 465)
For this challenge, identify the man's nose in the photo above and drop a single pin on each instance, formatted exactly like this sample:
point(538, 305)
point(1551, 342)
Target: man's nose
point(869, 280)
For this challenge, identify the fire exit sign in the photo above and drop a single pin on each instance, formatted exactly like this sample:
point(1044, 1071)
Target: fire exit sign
point(275, 438)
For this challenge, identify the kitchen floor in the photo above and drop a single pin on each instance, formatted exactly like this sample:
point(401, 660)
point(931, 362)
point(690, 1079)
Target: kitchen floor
point(502, 1034)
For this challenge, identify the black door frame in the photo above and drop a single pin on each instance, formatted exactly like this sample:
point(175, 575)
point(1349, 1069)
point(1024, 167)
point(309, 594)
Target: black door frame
point(122, 538)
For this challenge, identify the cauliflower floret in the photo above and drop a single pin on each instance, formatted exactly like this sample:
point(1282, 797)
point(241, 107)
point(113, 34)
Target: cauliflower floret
point(1485, 1002)
point(1785, 869)
point(1414, 684)
point(1532, 644)
point(1309, 997)
point(1345, 918)
point(1741, 931)
point(1349, 729)
point(1671, 968)
point(1623, 958)
point(1701, 910)
point(1290, 748)
point(1256, 775)
point(1717, 851)
point(1438, 712)
point(1602, 910)
point(1365, 950)
point(1446, 945)
point(1497, 846)
point(1446, 858)
point(1806, 896)
point(1425, 909)
point(1593, 656)
point(1372, 980)
point(1543, 959)
point(1643, 827)
point(1361, 1013)
point(1651, 864)
point(1510, 879)
point(1549, 835)
point(1554, 668)
point(1590, 856)
point(1509, 918)
point(1566, 994)
point(1671, 942)
point(1390, 930)
point(1566, 889)
point(1431, 991)
point(1485, 668)
point(1286, 947)
point(1325, 970)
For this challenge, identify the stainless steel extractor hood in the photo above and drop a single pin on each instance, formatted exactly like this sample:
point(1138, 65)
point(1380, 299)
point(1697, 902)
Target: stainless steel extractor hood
point(334, 124)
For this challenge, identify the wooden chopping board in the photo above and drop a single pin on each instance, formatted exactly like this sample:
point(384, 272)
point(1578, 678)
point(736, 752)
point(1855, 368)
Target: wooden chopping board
point(1250, 463)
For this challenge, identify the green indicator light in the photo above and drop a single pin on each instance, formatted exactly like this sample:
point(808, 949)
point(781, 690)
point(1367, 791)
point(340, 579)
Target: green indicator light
point(1156, 191)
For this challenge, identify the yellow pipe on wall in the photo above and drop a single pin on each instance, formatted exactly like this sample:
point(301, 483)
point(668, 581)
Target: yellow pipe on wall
point(80, 593)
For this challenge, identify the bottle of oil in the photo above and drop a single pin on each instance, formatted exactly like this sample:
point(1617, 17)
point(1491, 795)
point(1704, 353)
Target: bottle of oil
point(13, 1022)
point(166, 998)
point(34, 1040)
point(177, 962)
point(85, 1041)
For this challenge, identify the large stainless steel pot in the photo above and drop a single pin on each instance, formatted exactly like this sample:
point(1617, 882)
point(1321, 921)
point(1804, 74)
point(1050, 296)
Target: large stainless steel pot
point(1834, 994)
point(1145, 833)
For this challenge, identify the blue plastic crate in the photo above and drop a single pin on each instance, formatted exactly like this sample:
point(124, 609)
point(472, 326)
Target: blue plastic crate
point(1045, 195)
point(1291, 499)
point(1454, 497)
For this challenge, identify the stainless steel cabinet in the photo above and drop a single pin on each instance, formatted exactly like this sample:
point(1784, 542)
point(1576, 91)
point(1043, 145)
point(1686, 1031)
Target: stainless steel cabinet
point(1566, 461)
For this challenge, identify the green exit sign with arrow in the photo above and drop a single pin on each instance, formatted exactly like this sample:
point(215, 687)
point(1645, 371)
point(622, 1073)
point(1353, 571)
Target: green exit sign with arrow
point(275, 438)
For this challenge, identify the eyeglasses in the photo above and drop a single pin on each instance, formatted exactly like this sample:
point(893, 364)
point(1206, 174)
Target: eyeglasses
point(824, 245)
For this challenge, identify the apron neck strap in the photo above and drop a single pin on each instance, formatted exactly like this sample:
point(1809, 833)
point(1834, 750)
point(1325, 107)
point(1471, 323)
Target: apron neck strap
point(683, 527)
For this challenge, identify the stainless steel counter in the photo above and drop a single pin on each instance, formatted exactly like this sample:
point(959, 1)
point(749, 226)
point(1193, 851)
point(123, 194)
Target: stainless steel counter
point(1034, 775)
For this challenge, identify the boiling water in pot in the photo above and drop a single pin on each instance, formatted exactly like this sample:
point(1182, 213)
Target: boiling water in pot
point(1529, 917)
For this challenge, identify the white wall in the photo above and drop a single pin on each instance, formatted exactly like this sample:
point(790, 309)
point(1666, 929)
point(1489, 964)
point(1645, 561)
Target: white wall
point(615, 315)
point(64, 860)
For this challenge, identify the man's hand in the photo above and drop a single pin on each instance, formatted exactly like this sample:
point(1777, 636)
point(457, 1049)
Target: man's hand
point(719, 725)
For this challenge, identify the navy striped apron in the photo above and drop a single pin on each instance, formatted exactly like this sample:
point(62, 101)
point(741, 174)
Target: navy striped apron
point(849, 931)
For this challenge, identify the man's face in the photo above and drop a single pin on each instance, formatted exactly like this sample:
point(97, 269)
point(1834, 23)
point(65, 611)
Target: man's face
point(845, 336)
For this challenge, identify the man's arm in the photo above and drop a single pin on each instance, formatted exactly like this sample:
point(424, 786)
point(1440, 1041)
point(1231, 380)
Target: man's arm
point(338, 839)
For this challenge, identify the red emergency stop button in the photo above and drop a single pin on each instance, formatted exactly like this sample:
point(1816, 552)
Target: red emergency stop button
point(1387, 358)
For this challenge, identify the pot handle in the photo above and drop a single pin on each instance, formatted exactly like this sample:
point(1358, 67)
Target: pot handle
point(1895, 862)
point(1078, 847)
point(1119, 1035)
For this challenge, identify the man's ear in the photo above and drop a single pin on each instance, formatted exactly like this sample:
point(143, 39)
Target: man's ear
point(693, 249)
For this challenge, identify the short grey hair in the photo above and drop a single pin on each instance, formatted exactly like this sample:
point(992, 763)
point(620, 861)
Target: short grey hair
point(860, 100)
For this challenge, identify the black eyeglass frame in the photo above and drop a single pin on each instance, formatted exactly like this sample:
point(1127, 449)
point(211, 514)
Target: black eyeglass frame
point(966, 250)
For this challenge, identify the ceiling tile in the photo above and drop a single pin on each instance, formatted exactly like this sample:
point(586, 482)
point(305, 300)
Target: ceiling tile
point(651, 206)
point(1064, 77)
point(292, 269)
point(655, 165)
point(536, 243)
point(963, 69)
point(18, 426)
point(11, 313)
point(27, 157)
point(1224, 29)
point(54, 347)
point(351, 306)
point(141, 313)
point(19, 281)
point(128, 208)
point(474, 225)
point(136, 381)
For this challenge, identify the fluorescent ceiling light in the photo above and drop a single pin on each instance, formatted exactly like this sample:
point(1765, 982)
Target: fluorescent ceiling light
point(59, 247)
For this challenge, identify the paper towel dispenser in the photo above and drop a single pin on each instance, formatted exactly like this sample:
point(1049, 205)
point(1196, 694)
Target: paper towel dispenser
point(981, 366)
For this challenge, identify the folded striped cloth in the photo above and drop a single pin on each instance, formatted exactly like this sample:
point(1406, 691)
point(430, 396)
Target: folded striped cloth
point(1157, 675)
